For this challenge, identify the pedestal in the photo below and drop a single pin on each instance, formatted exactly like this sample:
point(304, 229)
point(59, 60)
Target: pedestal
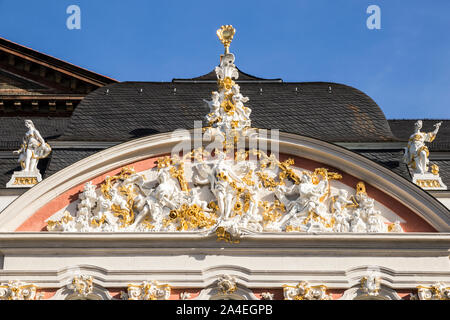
point(428, 181)
point(24, 179)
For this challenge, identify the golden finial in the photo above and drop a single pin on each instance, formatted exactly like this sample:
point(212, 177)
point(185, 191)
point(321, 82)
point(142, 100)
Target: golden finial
point(226, 34)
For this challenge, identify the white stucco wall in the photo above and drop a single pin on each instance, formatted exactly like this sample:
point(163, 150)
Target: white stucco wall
point(6, 200)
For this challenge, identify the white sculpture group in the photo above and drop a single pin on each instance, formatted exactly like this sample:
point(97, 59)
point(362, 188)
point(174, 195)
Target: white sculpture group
point(221, 195)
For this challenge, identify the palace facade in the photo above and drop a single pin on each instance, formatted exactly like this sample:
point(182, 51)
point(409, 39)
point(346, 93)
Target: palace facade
point(223, 186)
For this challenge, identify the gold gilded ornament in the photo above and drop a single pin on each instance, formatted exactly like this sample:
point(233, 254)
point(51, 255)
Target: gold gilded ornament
point(226, 34)
point(190, 218)
point(224, 235)
point(435, 169)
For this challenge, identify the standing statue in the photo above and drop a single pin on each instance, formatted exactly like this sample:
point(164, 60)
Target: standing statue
point(416, 157)
point(32, 149)
point(416, 153)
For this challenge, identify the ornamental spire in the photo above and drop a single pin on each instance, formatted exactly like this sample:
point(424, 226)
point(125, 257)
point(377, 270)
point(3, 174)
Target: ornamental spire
point(228, 117)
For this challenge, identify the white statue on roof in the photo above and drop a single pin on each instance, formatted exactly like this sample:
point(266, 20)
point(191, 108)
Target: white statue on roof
point(33, 149)
point(416, 153)
point(417, 158)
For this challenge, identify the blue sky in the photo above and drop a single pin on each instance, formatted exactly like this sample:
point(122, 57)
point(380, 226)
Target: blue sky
point(404, 66)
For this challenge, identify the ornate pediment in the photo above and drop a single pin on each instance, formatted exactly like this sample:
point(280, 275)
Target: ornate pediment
point(226, 181)
point(225, 189)
point(229, 197)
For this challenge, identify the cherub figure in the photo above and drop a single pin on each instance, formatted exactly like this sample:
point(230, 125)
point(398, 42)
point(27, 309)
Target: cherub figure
point(214, 108)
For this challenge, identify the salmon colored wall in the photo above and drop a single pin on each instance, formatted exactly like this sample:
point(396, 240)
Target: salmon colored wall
point(405, 294)
point(48, 293)
point(414, 222)
point(277, 293)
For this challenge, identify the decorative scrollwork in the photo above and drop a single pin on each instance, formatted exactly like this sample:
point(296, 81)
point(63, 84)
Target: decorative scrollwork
point(226, 284)
point(438, 291)
point(82, 285)
point(16, 290)
point(147, 291)
point(304, 291)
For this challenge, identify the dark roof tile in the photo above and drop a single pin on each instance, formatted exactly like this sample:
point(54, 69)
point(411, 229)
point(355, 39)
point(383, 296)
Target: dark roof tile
point(124, 113)
point(403, 129)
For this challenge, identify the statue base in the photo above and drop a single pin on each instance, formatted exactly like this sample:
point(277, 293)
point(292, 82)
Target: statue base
point(428, 181)
point(24, 179)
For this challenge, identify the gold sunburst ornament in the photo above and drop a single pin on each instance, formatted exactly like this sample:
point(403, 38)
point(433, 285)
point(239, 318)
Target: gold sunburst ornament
point(226, 34)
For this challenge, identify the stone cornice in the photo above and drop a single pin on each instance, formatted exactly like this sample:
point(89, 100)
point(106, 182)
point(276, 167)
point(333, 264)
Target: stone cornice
point(413, 243)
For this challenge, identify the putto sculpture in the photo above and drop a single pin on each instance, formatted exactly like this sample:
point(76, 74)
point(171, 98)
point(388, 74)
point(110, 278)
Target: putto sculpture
point(417, 158)
point(33, 149)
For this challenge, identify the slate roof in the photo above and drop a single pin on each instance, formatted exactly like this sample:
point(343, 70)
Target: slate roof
point(128, 110)
point(444, 170)
point(211, 76)
point(12, 129)
point(391, 159)
point(403, 129)
point(62, 158)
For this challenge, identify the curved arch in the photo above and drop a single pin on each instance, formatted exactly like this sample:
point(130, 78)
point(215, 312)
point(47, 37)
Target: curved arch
point(397, 187)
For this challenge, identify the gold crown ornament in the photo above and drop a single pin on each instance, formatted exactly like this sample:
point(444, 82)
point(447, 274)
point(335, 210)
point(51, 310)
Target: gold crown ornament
point(226, 34)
